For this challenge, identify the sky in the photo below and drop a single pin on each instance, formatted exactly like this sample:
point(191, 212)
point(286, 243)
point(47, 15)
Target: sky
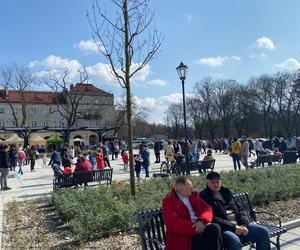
point(232, 39)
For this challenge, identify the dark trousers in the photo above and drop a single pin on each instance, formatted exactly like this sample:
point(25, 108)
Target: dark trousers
point(210, 239)
point(157, 156)
point(32, 163)
point(107, 162)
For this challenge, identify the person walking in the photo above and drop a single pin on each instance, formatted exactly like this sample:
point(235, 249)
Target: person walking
point(235, 153)
point(157, 148)
point(258, 147)
point(4, 167)
point(146, 160)
point(21, 157)
point(244, 151)
point(32, 158)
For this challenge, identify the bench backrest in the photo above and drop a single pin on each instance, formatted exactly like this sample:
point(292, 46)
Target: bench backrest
point(264, 158)
point(209, 164)
point(151, 225)
point(103, 174)
point(57, 170)
point(244, 200)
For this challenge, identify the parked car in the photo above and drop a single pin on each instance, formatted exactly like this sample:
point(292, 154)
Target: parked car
point(136, 143)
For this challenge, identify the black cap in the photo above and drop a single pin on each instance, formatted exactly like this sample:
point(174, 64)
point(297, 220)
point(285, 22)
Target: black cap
point(213, 176)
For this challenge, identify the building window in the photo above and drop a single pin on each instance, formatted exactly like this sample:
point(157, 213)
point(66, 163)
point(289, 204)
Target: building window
point(97, 124)
point(1, 110)
point(76, 123)
point(46, 123)
point(86, 101)
point(96, 101)
point(106, 101)
point(61, 124)
point(33, 111)
point(33, 124)
point(45, 112)
point(1, 124)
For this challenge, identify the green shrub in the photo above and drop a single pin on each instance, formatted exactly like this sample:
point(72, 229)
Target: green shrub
point(94, 212)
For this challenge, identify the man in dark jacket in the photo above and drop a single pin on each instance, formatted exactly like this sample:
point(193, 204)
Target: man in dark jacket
point(231, 217)
point(157, 148)
point(188, 220)
point(4, 167)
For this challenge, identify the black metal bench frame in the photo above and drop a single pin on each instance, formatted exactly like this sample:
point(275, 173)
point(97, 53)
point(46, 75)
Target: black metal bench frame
point(262, 159)
point(62, 180)
point(153, 233)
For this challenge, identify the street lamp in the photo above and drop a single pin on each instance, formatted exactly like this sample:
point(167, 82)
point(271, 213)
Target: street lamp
point(182, 70)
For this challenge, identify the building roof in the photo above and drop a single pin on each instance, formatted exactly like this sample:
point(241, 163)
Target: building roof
point(47, 97)
point(89, 88)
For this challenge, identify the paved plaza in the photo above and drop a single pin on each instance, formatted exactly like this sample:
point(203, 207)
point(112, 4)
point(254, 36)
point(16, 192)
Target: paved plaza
point(39, 183)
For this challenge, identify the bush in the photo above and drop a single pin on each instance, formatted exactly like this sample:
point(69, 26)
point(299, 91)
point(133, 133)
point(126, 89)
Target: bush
point(95, 212)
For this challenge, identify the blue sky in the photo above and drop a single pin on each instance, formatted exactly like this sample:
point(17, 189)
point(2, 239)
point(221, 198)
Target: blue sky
point(226, 39)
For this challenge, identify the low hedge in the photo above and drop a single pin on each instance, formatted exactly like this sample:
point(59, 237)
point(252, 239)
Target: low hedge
point(95, 212)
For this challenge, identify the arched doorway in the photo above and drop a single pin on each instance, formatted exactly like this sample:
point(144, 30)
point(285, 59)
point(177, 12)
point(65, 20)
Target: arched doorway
point(78, 141)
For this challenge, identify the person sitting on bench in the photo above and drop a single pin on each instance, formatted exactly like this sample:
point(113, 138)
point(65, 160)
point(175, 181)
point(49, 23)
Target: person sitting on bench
point(188, 220)
point(231, 217)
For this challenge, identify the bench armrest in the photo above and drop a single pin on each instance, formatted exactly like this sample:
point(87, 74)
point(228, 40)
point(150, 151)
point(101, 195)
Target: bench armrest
point(272, 215)
point(160, 245)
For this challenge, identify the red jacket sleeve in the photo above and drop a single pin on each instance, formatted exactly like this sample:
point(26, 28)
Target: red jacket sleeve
point(205, 214)
point(172, 220)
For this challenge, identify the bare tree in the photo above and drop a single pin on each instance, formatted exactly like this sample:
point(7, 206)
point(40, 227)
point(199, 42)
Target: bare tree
point(20, 80)
point(204, 91)
point(68, 101)
point(175, 116)
point(128, 43)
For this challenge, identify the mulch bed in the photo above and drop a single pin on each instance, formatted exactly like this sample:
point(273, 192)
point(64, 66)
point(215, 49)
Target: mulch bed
point(34, 225)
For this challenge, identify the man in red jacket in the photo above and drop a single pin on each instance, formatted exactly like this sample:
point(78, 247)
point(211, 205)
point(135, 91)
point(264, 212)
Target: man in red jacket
point(188, 220)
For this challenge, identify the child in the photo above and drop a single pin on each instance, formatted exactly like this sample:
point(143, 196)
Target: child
point(92, 159)
point(100, 159)
point(138, 166)
point(125, 160)
point(45, 160)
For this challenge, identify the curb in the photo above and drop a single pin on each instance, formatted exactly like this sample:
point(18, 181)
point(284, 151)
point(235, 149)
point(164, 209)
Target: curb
point(291, 224)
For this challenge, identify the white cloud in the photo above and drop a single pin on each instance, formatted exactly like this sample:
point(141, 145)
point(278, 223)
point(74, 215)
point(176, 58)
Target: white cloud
point(89, 46)
point(157, 82)
point(265, 42)
point(256, 55)
point(289, 64)
point(217, 61)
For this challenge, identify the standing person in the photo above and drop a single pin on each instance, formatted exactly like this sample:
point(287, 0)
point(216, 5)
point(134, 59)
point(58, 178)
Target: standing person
point(117, 149)
point(12, 156)
point(93, 161)
point(169, 152)
point(21, 157)
point(55, 159)
point(4, 167)
point(258, 147)
point(112, 150)
point(138, 166)
point(231, 217)
point(125, 159)
point(188, 220)
point(235, 153)
point(244, 151)
point(32, 157)
point(45, 160)
point(146, 160)
point(105, 150)
point(65, 156)
point(282, 145)
point(100, 159)
point(157, 148)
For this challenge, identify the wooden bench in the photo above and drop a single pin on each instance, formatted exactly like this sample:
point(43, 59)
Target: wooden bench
point(269, 159)
point(200, 166)
point(153, 232)
point(62, 180)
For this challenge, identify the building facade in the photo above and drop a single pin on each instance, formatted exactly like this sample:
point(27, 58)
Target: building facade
point(95, 109)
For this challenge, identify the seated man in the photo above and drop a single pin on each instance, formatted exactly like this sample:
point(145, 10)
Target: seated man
point(188, 220)
point(209, 156)
point(84, 167)
point(231, 216)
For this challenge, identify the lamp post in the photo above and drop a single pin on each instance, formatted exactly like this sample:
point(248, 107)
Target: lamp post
point(297, 88)
point(182, 70)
